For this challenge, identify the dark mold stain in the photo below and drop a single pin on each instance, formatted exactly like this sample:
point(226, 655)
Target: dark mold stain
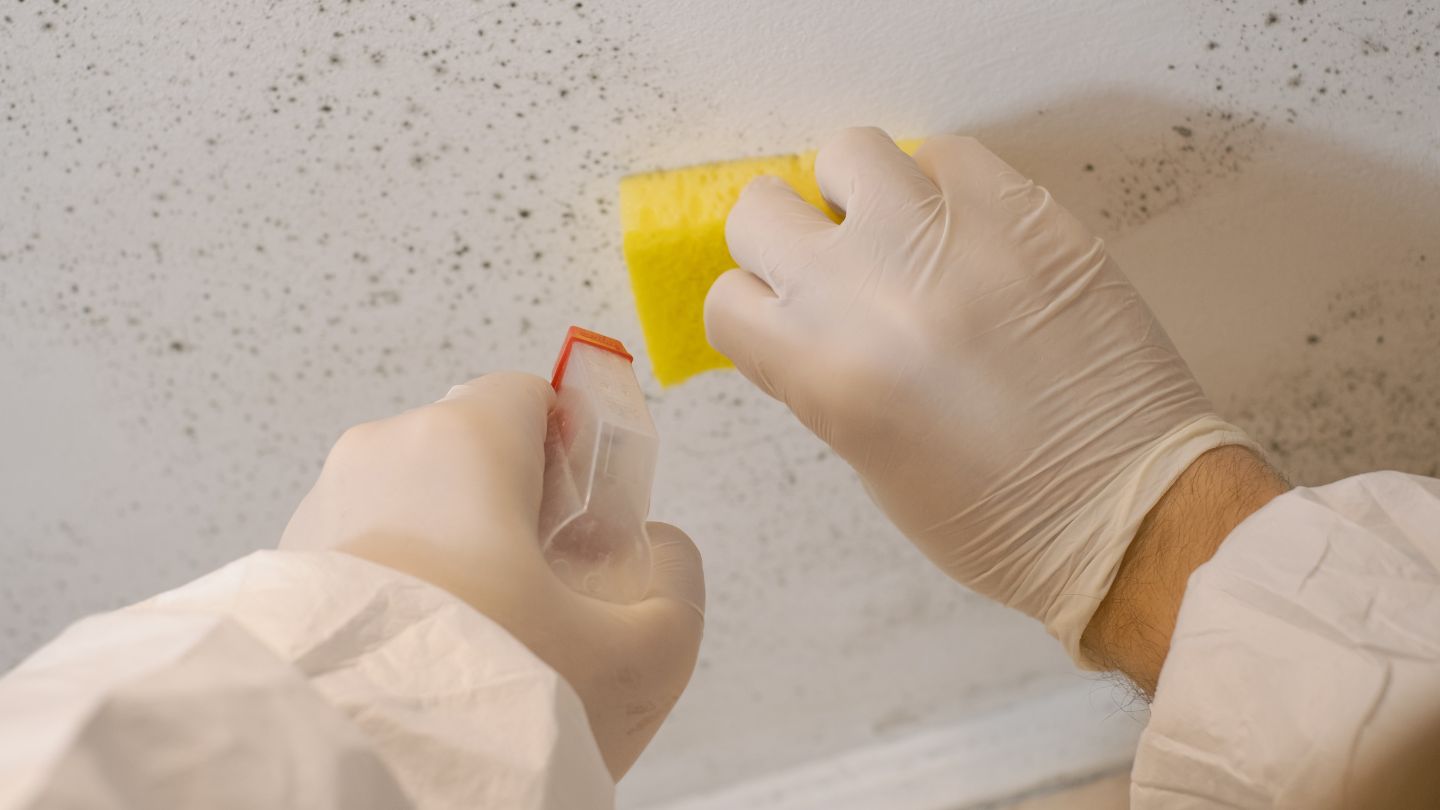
point(1365, 397)
point(1391, 49)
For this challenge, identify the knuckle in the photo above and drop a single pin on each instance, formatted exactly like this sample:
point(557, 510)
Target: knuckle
point(356, 436)
point(735, 221)
point(714, 309)
point(853, 137)
point(354, 443)
point(968, 142)
point(440, 423)
point(957, 144)
point(843, 143)
point(759, 183)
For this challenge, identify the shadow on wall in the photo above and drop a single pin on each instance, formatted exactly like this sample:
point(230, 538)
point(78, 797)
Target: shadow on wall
point(1300, 277)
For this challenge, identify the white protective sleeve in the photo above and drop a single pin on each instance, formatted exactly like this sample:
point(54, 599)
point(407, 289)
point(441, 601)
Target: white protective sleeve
point(295, 680)
point(1307, 651)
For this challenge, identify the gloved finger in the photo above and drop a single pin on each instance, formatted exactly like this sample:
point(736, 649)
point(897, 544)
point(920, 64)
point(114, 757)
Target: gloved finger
point(769, 228)
point(862, 168)
point(979, 182)
point(742, 322)
point(677, 571)
point(498, 421)
point(958, 159)
point(966, 170)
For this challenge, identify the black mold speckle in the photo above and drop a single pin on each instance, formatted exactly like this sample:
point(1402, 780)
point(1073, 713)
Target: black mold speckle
point(1364, 400)
point(1390, 52)
point(1207, 146)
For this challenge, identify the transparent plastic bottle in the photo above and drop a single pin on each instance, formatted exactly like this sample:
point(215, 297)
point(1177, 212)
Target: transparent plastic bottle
point(599, 468)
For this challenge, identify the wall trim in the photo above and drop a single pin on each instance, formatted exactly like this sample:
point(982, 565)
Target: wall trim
point(1046, 743)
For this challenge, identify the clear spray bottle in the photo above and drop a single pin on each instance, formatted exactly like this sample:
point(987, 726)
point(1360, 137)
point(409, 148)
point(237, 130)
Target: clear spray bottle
point(600, 453)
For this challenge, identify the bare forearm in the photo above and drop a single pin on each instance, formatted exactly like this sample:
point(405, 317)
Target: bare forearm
point(1131, 630)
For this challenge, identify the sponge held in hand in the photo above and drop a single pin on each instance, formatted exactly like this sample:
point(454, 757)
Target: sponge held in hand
point(673, 227)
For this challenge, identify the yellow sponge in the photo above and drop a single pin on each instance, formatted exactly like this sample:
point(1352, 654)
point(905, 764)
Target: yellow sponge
point(673, 226)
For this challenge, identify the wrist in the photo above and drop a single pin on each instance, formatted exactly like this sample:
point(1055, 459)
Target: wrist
point(1130, 631)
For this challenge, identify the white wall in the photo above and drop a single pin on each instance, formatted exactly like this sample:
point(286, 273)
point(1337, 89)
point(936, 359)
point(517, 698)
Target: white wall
point(227, 231)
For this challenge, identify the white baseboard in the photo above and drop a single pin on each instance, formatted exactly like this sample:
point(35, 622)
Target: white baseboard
point(1051, 741)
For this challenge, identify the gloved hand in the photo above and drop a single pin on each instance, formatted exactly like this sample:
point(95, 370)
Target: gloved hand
point(450, 493)
point(969, 348)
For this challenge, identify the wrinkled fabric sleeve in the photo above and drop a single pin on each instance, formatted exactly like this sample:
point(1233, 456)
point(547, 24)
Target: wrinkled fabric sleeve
point(1306, 653)
point(295, 680)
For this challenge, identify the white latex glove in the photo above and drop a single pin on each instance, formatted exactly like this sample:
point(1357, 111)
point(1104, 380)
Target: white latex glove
point(450, 493)
point(970, 349)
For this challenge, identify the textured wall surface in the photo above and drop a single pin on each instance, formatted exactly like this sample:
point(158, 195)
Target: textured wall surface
point(228, 231)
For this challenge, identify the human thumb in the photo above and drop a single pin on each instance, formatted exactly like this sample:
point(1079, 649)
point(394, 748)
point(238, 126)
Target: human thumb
point(676, 571)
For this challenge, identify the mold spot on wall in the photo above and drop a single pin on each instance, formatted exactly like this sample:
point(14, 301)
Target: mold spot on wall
point(1365, 395)
point(266, 222)
point(1374, 58)
point(1156, 175)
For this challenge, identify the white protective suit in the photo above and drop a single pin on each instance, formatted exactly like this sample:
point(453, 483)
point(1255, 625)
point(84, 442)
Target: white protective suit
point(1306, 654)
point(302, 680)
point(315, 680)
